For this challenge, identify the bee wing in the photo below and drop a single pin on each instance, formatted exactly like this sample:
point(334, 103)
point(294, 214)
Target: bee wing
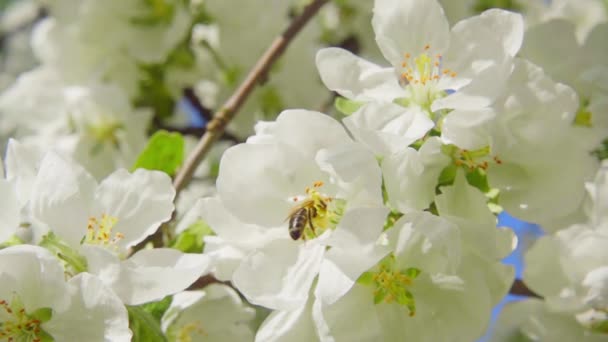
point(304, 204)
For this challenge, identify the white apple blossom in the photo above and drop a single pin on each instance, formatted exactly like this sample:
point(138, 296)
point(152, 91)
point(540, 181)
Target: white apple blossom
point(570, 269)
point(304, 160)
point(584, 14)
point(585, 70)
point(432, 275)
point(107, 40)
point(432, 67)
point(528, 166)
point(215, 313)
point(37, 304)
point(94, 123)
point(101, 221)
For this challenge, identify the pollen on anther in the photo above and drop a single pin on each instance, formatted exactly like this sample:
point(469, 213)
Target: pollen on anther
point(453, 74)
point(427, 46)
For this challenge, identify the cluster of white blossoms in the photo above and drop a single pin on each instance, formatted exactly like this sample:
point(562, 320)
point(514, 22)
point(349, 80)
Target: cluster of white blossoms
point(371, 221)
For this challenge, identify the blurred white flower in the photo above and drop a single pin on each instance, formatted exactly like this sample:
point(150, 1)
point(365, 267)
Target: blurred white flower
point(215, 313)
point(38, 304)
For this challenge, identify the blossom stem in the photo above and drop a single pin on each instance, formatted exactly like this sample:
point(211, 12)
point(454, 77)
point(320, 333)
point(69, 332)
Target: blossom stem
point(222, 117)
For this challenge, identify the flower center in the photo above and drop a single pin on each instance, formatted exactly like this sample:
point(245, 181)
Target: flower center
point(99, 231)
point(584, 117)
point(105, 132)
point(391, 284)
point(186, 332)
point(420, 76)
point(314, 213)
point(476, 159)
point(17, 325)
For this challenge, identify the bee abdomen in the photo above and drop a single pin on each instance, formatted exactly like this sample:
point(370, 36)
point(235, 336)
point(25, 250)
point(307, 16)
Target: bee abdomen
point(297, 223)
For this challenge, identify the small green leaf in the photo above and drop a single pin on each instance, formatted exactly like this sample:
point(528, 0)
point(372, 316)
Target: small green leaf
point(448, 174)
point(191, 239)
point(144, 326)
point(346, 106)
point(164, 152)
point(157, 309)
point(478, 179)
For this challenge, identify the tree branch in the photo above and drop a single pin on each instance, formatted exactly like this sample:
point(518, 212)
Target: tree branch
point(216, 126)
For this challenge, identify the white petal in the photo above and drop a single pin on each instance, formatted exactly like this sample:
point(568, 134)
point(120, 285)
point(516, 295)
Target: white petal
point(217, 312)
point(353, 251)
point(427, 242)
point(10, 210)
point(148, 275)
point(411, 176)
point(532, 319)
point(504, 26)
point(467, 129)
point(95, 314)
point(482, 69)
point(356, 309)
point(63, 198)
point(543, 272)
point(388, 128)
point(140, 202)
point(355, 171)
point(356, 78)
point(27, 267)
point(597, 282)
point(407, 26)
point(541, 47)
point(287, 326)
point(22, 164)
point(280, 274)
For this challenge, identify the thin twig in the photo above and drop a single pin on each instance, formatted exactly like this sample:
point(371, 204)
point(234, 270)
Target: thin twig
point(216, 127)
point(519, 288)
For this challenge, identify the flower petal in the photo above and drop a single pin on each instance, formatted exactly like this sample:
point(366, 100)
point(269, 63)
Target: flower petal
point(355, 78)
point(63, 197)
point(388, 128)
point(353, 251)
point(140, 201)
point(407, 26)
point(149, 274)
point(279, 275)
point(95, 314)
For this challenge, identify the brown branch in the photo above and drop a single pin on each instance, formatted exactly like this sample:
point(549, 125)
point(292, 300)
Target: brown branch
point(216, 127)
point(520, 289)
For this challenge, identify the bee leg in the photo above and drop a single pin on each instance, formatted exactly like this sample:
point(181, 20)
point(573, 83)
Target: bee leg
point(310, 224)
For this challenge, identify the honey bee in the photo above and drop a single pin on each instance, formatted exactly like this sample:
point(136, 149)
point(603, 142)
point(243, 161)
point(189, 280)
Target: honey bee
point(302, 216)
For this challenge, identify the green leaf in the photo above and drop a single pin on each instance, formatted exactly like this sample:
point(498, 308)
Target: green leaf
point(157, 309)
point(145, 327)
point(164, 152)
point(191, 240)
point(448, 174)
point(346, 106)
point(479, 179)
